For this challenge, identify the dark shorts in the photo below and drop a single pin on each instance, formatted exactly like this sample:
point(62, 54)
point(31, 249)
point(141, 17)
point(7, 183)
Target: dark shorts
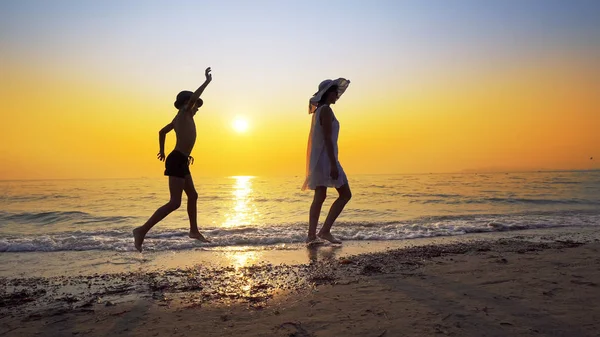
point(177, 165)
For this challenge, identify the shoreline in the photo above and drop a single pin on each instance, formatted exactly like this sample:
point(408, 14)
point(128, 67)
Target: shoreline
point(541, 263)
point(85, 263)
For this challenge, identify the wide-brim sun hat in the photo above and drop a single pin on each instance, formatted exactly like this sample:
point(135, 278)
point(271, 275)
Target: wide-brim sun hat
point(341, 83)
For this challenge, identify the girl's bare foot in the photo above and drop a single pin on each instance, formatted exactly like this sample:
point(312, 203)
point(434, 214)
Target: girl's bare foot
point(313, 240)
point(199, 237)
point(329, 237)
point(138, 238)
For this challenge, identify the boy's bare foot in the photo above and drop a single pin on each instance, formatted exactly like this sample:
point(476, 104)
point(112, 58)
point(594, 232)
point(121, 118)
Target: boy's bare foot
point(199, 237)
point(138, 238)
point(329, 237)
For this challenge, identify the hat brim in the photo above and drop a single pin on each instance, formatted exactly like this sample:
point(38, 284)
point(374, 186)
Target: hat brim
point(182, 98)
point(341, 83)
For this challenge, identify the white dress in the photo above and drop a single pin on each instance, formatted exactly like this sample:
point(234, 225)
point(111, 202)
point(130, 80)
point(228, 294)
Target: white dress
point(318, 167)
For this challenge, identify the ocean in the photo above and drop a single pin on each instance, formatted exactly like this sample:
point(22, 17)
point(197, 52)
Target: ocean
point(272, 212)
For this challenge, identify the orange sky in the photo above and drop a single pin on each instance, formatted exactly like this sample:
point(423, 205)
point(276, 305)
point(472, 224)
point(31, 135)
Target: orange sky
point(533, 118)
point(67, 120)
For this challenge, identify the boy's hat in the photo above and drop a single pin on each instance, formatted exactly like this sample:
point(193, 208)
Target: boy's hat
point(182, 98)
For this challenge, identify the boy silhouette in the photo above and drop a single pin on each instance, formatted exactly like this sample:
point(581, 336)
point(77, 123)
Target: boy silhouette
point(177, 163)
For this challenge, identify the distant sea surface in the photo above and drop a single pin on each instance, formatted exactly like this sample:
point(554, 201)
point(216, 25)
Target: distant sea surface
point(82, 215)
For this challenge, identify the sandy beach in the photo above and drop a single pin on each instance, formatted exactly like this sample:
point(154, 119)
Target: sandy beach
point(538, 283)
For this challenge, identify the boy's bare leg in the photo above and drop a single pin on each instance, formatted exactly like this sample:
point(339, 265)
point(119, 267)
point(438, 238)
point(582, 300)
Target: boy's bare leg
point(315, 211)
point(192, 208)
point(336, 208)
point(175, 189)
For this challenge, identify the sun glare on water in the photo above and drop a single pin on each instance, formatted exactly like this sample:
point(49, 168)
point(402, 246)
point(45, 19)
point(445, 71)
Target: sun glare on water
point(240, 125)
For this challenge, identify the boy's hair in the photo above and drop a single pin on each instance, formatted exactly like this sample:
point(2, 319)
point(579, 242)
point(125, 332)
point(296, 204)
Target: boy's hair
point(183, 98)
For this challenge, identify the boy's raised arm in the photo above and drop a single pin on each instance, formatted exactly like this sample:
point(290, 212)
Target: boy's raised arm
point(200, 89)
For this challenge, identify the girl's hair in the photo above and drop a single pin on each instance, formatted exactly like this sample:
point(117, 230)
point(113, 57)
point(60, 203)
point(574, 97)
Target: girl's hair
point(324, 97)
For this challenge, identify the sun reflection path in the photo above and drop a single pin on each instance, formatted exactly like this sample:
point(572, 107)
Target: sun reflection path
point(244, 211)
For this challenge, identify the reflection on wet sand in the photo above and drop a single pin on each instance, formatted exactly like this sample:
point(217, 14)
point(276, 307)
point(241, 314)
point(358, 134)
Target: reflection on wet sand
point(240, 259)
point(322, 253)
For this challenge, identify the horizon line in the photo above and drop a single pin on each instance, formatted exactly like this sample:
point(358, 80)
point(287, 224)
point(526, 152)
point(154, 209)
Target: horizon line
point(465, 171)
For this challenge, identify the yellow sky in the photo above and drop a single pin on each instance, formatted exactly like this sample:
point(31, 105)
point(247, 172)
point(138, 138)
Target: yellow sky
point(535, 117)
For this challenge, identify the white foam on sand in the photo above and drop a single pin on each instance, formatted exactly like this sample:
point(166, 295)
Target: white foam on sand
point(277, 237)
point(48, 264)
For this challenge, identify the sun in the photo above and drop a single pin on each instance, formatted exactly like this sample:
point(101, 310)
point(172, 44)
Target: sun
point(240, 125)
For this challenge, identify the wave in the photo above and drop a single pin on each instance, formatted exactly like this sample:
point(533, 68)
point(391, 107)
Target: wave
point(511, 201)
point(279, 235)
point(277, 200)
point(573, 201)
point(34, 197)
point(52, 217)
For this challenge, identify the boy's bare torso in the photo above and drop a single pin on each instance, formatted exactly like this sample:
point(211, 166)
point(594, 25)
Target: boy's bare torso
point(185, 130)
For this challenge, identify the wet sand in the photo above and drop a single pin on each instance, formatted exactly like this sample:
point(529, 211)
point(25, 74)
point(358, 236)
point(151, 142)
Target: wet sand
point(536, 284)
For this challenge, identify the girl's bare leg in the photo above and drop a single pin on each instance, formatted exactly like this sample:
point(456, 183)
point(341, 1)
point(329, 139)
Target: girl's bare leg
point(336, 208)
point(315, 211)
